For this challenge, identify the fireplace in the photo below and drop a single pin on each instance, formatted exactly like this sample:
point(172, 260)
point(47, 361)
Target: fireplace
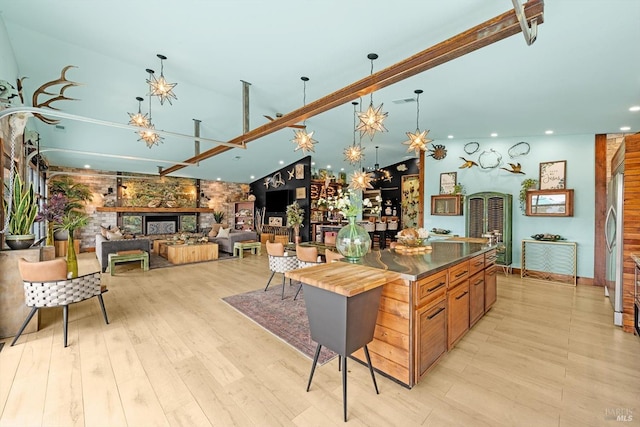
point(160, 224)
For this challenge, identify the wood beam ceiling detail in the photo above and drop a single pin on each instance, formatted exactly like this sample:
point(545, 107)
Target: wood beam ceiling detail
point(491, 31)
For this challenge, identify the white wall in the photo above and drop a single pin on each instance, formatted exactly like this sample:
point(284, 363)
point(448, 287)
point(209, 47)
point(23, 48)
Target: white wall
point(577, 150)
point(8, 64)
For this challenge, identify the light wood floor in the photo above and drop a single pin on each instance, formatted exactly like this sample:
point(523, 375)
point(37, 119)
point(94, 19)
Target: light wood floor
point(175, 354)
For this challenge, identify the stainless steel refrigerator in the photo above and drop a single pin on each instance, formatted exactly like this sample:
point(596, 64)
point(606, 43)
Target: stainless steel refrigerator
point(613, 236)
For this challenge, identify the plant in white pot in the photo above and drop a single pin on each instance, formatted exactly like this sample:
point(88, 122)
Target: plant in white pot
point(21, 214)
point(295, 219)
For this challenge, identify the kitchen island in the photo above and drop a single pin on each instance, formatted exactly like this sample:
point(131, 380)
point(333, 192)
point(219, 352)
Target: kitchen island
point(434, 301)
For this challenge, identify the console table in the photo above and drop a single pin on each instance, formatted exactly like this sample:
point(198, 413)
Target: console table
point(550, 260)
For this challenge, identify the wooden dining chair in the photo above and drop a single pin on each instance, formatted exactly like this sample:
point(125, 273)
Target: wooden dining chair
point(331, 256)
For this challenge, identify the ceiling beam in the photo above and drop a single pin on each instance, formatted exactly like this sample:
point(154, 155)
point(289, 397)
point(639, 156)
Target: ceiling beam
point(491, 31)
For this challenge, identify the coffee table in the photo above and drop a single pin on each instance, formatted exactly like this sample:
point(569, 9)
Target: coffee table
point(184, 254)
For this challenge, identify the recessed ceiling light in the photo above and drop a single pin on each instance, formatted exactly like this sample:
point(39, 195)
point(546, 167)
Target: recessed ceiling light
point(313, 163)
point(281, 162)
point(450, 136)
point(548, 132)
point(252, 177)
point(218, 179)
point(342, 169)
point(87, 166)
point(625, 128)
point(328, 166)
point(635, 108)
point(494, 134)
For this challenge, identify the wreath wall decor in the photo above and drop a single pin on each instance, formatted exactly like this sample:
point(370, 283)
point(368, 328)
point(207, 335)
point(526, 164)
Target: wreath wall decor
point(520, 149)
point(489, 159)
point(471, 147)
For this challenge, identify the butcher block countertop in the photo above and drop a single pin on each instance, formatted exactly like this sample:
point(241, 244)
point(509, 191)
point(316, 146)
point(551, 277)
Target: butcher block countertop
point(342, 278)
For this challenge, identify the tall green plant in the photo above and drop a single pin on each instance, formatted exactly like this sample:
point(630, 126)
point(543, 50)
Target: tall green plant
point(76, 193)
point(24, 208)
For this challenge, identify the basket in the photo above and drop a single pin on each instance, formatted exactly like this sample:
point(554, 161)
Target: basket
point(369, 226)
point(392, 225)
point(381, 226)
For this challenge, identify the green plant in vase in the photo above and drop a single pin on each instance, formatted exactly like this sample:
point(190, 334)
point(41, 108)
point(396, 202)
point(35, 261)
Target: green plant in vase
point(353, 241)
point(527, 184)
point(52, 212)
point(295, 219)
point(218, 216)
point(77, 195)
point(72, 221)
point(22, 214)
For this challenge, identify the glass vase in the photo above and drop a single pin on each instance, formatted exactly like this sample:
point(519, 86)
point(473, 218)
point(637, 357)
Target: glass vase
point(353, 241)
point(72, 260)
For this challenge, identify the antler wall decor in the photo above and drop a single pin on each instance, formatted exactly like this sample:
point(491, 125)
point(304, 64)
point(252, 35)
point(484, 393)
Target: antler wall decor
point(60, 96)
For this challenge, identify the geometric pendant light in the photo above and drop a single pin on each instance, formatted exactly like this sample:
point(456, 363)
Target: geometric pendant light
point(138, 119)
point(371, 120)
point(159, 86)
point(417, 140)
point(354, 154)
point(304, 140)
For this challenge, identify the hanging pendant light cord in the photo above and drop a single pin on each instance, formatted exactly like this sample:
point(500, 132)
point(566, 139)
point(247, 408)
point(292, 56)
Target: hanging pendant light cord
point(418, 113)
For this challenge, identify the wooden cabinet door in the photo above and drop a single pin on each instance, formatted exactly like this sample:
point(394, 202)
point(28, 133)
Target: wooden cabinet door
point(457, 313)
point(490, 286)
point(432, 336)
point(476, 297)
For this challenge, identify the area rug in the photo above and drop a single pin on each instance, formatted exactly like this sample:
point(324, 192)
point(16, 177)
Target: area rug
point(286, 319)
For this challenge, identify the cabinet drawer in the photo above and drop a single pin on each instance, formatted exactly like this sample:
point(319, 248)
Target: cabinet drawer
point(457, 273)
point(490, 257)
point(431, 288)
point(476, 264)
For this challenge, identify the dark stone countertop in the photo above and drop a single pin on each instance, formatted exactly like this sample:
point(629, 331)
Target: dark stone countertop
point(416, 266)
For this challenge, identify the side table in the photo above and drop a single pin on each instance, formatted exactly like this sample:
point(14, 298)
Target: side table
point(239, 247)
point(342, 302)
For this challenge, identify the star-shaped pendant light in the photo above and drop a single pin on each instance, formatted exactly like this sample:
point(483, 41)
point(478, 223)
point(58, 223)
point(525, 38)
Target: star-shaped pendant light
point(159, 86)
point(361, 181)
point(149, 136)
point(139, 119)
point(354, 154)
point(371, 120)
point(417, 140)
point(303, 139)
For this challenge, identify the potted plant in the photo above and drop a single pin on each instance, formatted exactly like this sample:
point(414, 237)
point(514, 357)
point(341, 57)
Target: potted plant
point(24, 208)
point(71, 221)
point(52, 212)
point(77, 195)
point(527, 184)
point(218, 216)
point(295, 219)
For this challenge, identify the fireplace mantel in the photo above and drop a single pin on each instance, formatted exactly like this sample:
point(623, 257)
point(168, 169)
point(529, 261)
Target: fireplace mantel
point(140, 209)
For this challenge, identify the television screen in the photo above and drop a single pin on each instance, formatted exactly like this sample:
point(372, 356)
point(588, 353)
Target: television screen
point(277, 200)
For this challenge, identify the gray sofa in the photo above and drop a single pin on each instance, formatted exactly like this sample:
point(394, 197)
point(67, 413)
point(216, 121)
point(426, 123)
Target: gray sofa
point(105, 247)
point(226, 245)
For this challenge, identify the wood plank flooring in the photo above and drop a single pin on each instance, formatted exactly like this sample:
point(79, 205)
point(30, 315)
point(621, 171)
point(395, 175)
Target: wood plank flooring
point(174, 354)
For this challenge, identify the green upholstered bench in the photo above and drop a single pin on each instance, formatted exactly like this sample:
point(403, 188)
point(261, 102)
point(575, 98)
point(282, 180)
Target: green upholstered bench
point(125, 256)
point(239, 247)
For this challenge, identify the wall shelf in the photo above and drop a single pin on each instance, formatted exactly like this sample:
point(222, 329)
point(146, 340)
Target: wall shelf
point(138, 209)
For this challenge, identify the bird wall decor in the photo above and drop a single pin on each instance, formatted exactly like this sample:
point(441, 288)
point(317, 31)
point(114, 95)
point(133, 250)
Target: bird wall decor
point(467, 163)
point(515, 168)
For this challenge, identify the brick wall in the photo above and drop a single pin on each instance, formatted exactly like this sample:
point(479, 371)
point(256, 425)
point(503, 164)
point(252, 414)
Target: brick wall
point(221, 195)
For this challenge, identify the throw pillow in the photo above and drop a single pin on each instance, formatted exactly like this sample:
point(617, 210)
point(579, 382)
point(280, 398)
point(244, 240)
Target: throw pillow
point(223, 233)
point(103, 231)
point(114, 236)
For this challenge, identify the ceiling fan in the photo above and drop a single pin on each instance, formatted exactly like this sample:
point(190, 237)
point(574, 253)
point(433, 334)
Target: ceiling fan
point(278, 115)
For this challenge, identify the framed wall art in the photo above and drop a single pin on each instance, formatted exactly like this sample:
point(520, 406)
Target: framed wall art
point(301, 193)
point(300, 171)
point(448, 182)
point(410, 200)
point(552, 175)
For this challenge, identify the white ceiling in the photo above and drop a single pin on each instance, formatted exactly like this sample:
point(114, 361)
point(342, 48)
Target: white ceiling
point(580, 76)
